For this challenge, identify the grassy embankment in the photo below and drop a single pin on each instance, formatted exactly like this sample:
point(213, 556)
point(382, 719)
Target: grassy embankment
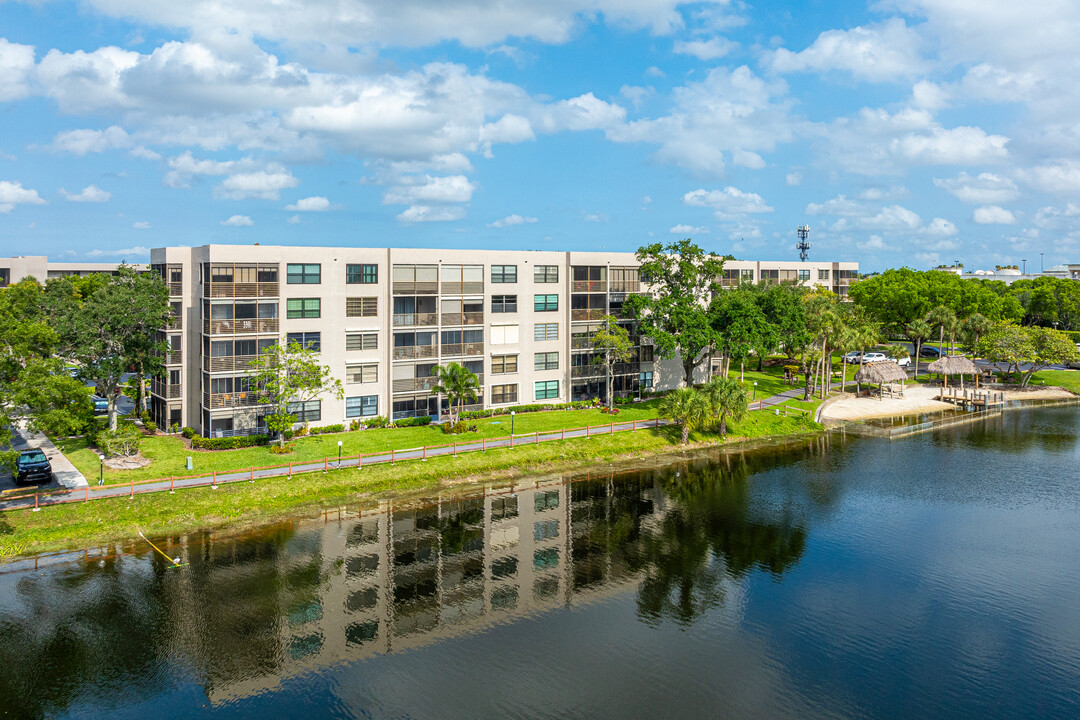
point(119, 520)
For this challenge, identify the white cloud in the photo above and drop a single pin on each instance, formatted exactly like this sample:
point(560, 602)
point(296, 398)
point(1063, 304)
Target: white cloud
point(994, 215)
point(13, 193)
point(705, 50)
point(510, 220)
point(840, 205)
point(958, 146)
point(596, 217)
point(16, 70)
point(141, 225)
point(985, 189)
point(874, 242)
point(876, 52)
point(263, 184)
point(137, 251)
point(940, 227)
point(315, 203)
point(1062, 178)
point(90, 193)
point(431, 189)
point(655, 72)
point(238, 221)
point(688, 230)
point(928, 96)
point(426, 213)
point(793, 178)
point(293, 220)
point(81, 142)
point(145, 153)
point(728, 203)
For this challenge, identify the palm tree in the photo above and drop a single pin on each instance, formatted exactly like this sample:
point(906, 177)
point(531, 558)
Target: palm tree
point(686, 407)
point(897, 352)
point(458, 384)
point(918, 331)
point(974, 328)
point(726, 399)
point(944, 319)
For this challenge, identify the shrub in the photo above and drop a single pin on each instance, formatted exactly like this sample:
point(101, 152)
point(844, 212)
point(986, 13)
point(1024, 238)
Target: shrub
point(459, 427)
point(281, 449)
point(354, 425)
point(301, 431)
point(413, 421)
point(188, 432)
point(379, 421)
point(145, 416)
point(174, 428)
point(289, 434)
point(151, 426)
point(612, 411)
point(327, 429)
point(228, 443)
point(124, 440)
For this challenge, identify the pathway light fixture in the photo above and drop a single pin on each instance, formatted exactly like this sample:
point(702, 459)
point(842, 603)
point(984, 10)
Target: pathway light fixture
point(755, 390)
point(339, 454)
point(101, 470)
point(511, 422)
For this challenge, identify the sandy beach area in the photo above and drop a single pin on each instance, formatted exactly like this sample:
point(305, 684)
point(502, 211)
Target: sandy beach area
point(917, 399)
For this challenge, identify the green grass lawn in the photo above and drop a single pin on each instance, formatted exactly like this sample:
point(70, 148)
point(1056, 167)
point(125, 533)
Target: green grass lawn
point(168, 454)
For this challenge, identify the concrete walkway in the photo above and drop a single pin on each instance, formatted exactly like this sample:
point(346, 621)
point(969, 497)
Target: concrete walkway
point(64, 473)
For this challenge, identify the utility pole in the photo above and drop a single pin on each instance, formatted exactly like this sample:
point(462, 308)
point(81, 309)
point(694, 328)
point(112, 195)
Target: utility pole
point(803, 245)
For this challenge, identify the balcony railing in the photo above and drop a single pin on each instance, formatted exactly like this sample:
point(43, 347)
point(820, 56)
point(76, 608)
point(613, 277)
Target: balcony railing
point(176, 289)
point(241, 290)
point(245, 325)
point(415, 352)
point(177, 323)
point(416, 319)
point(588, 371)
point(462, 349)
point(463, 288)
point(164, 390)
point(413, 384)
point(591, 314)
point(229, 363)
point(227, 400)
point(588, 286)
point(416, 288)
point(469, 318)
point(581, 343)
point(175, 357)
point(624, 287)
point(240, 432)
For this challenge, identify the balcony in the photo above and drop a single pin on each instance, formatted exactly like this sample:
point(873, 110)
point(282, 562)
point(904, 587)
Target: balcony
point(177, 323)
point(176, 289)
point(581, 343)
point(593, 286)
point(624, 287)
point(175, 357)
point(235, 327)
point(240, 290)
point(462, 349)
point(463, 288)
point(469, 318)
point(585, 315)
point(420, 384)
point(588, 371)
point(228, 363)
point(229, 400)
point(164, 390)
point(416, 352)
point(416, 319)
point(416, 288)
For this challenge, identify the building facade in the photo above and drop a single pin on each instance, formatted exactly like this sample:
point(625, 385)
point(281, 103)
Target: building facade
point(382, 319)
point(14, 269)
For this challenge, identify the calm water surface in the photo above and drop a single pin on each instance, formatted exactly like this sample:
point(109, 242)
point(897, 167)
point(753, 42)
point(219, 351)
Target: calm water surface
point(935, 576)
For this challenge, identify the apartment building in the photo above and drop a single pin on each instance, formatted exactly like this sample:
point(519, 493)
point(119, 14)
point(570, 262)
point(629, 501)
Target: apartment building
point(14, 269)
point(382, 319)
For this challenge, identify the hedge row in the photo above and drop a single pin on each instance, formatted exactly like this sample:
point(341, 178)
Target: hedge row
point(228, 443)
point(474, 414)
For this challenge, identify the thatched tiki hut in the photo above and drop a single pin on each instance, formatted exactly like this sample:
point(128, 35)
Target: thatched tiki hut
point(881, 373)
point(954, 365)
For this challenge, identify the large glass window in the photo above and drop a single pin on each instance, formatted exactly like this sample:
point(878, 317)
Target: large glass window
point(361, 274)
point(822, 274)
point(646, 379)
point(804, 275)
point(546, 331)
point(546, 274)
point(504, 273)
point(303, 308)
point(361, 406)
point(545, 303)
point(305, 412)
point(361, 341)
point(546, 389)
point(361, 307)
point(303, 273)
point(503, 303)
point(309, 340)
point(501, 364)
point(546, 361)
point(502, 394)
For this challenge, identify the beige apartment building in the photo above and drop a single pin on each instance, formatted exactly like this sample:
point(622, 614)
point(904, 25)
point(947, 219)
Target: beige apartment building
point(383, 318)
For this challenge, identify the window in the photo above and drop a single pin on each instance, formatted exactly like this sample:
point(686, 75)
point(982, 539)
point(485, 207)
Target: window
point(746, 276)
point(503, 364)
point(504, 334)
point(309, 340)
point(804, 275)
point(545, 530)
point(545, 303)
point(361, 341)
point(503, 303)
point(362, 406)
point(546, 558)
point(546, 361)
point(822, 274)
point(361, 307)
point(548, 500)
point(366, 373)
point(501, 394)
point(646, 379)
point(504, 273)
point(645, 354)
point(546, 389)
point(174, 377)
point(304, 273)
point(546, 274)
point(303, 308)
point(361, 274)
point(305, 412)
point(546, 331)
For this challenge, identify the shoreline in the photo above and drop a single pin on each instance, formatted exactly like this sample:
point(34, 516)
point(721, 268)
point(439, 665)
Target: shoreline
point(918, 400)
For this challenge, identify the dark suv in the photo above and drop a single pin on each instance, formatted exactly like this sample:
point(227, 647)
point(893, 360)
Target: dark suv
point(33, 466)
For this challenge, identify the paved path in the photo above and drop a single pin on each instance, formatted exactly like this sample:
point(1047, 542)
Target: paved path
point(64, 473)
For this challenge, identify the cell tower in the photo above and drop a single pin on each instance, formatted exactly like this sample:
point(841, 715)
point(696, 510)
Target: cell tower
point(803, 245)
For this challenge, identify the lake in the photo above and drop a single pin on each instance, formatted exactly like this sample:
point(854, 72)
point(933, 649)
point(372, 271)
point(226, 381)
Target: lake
point(838, 577)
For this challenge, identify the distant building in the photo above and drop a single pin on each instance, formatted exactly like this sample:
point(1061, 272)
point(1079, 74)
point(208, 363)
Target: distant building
point(14, 269)
point(1009, 275)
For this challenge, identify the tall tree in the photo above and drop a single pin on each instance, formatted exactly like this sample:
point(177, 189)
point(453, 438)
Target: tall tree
point(613, 343)
point(290, 373)
point(919, 331)
point(114, 327)
point(972, 329)
point(681, 278)
point(686, 407)
point(1024, 351)
point(740, 326)
point(944, 319)
point(726, 400)
point(458, 384)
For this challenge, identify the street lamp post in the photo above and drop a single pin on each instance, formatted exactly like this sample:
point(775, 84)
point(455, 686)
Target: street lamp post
point(755, 390)
point(511, 422)
point(1041, 262)
point(339, 454)
point(101, 470)
point(1024, 260)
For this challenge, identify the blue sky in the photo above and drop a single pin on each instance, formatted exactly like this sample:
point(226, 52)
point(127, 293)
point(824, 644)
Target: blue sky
point(904, 132)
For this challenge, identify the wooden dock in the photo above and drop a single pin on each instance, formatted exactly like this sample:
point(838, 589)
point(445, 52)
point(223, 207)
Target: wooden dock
point(972, 399)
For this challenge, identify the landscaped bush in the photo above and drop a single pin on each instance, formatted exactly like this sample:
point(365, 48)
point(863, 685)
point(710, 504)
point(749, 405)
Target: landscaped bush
point(459, 427)
point(612, 411)
point(228, 443)
point(188, 432)
point(1074, 335)
point(282, 449)
point(518, 409)
point(379, 421)
point(145, 416)
point(151, 426)
point(301, 431)
point(124, 440)
point(413, 421)
point(327, 429)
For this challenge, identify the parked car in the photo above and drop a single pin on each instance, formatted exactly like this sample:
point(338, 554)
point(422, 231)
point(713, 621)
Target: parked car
point(903, 361)
point(101, 405)
point(873, 357)
point(853, 357)
point(33, 466)
point(930, 352)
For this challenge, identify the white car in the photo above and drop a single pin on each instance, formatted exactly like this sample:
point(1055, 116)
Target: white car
point(852, 357)
point(873, 357)
point(903, 362)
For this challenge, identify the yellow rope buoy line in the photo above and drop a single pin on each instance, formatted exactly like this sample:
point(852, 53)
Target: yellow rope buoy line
point(175, 561)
